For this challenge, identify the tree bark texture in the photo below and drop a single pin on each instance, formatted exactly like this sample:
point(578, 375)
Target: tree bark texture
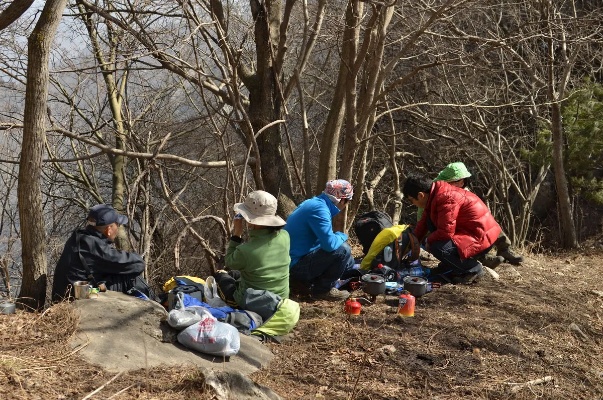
point(327, 164)
point(566, 220)
point(115, 96)
point(33, 237)
point(14, 10)
point(265, 98)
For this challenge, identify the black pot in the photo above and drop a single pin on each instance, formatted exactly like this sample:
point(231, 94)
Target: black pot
point(415, 285)
point(373, 284)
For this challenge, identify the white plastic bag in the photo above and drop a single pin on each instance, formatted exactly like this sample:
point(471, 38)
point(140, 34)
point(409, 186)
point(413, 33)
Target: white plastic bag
point(211, 336)
point(210, 293)
point(181, 317)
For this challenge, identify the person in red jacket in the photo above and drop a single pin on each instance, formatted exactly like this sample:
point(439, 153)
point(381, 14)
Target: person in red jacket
point(461, 225)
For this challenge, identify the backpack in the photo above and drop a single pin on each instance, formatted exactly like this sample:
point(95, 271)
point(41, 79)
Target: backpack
point(189, 285)
point(279, 315)
point(393, 254)
point(368, 226)
point(281, 322)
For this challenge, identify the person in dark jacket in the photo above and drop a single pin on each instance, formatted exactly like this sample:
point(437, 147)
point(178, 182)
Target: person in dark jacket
point(90, 255)
point(461, 225)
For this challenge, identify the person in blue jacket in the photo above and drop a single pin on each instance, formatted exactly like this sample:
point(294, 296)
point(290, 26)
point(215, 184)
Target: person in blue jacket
point(319, 256)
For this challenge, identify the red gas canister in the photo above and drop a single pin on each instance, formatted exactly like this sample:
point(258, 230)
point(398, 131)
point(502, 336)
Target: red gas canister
point(352, 307)
point(406, 305)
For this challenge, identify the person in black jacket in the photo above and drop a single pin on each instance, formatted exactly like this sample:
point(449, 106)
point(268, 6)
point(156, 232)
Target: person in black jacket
point(90, 255)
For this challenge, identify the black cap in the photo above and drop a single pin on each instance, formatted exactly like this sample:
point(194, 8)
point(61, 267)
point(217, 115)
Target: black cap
point(104, 214)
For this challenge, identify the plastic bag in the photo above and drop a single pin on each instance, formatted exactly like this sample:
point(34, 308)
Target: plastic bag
point(211, 336)
point(210, 293)
point(180, 317)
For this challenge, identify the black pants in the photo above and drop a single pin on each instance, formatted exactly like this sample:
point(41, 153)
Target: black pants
point(124, 284)
point(227, 285)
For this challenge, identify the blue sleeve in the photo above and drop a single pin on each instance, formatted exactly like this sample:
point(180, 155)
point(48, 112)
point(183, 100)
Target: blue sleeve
point(322, 225)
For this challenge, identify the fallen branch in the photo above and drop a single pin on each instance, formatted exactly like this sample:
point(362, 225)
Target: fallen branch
point(70, 354)
point(120, 392)
point(540, 381)
point(492, 273)
point(95, 391)
point(576, 329)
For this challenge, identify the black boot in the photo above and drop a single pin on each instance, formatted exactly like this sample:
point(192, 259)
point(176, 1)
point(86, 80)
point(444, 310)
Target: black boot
point(510, 257)
point(491, 261)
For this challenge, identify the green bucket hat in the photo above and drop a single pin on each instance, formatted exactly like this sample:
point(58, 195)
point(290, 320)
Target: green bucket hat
point(453, 172)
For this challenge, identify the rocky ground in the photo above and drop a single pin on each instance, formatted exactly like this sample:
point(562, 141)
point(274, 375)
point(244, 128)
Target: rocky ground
point(537, 332)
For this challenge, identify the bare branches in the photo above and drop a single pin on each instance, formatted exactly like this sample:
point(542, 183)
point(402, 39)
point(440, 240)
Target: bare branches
point(151, 156)
point(14, 10)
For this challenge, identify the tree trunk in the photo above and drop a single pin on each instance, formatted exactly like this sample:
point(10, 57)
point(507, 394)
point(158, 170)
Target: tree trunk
point(265, 101)
point(327, 164)
point(33, 289)
point(14, 10)
point(115, 96)
point(567, 228)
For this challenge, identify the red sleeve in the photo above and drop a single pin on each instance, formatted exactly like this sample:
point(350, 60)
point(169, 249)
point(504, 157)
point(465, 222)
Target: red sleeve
point(447, 206)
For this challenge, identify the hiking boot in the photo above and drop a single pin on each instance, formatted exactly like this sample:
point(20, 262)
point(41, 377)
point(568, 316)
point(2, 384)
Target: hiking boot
point(469, 278)
point(510, 257)
point(491, 261)
point(333, 294)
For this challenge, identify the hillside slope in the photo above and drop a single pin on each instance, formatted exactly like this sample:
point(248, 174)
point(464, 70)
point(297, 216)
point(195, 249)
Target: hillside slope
point(541, 321)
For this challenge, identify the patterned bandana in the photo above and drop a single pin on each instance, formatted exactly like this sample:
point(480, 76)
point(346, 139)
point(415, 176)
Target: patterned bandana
point(340, 189)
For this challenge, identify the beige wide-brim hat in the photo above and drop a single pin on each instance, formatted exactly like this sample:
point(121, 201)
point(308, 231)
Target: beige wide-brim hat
point(259, 208)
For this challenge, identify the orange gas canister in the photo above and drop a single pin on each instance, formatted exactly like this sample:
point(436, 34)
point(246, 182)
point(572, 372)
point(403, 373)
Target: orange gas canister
point(352, 307)
point(406, 305)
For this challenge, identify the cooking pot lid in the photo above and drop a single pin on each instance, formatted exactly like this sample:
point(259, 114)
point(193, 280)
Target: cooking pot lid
point(415, 280)
point(373, 278)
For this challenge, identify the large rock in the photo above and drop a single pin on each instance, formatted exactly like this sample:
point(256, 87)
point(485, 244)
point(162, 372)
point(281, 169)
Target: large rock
point(123, 333)
point(232, 385)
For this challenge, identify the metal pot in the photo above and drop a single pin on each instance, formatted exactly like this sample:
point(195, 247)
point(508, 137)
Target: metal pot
point(7, 307)
point(373, 284)
point(415, 285)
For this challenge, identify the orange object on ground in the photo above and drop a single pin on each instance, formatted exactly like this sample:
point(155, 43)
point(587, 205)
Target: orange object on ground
point(352, 307)
point(406, 305)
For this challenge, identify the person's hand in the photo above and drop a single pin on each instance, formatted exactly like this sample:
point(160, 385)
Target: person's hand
point(237, 227)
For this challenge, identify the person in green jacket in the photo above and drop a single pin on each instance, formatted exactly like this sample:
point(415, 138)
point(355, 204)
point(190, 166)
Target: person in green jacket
point(262, 262)
point(457, 174)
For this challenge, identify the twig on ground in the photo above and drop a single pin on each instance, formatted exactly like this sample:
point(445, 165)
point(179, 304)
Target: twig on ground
point(540, 381)
point(360, 370)
point(73, 352)
point(576, 329)
point(95, 391)
point(120, 392)
point(38, 368)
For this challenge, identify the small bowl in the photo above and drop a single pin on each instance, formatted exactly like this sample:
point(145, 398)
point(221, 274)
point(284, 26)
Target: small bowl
point(7, 307)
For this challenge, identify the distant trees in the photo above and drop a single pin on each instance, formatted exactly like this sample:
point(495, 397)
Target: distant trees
point(510, 70)
point(172, 111)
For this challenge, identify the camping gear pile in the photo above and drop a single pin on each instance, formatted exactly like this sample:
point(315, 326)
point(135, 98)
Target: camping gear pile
point(391, 255)
point(208, 325)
